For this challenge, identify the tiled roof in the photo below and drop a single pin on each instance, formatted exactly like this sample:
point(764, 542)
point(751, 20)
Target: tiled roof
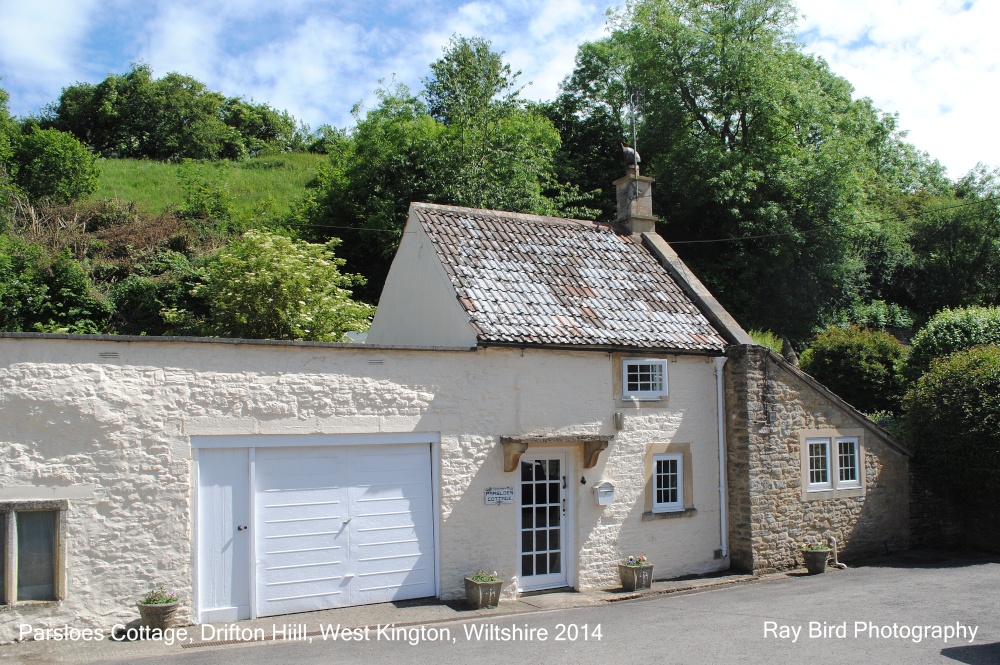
point(542, 280)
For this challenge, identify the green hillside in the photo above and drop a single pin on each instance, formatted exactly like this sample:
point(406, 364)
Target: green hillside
point(275, 181)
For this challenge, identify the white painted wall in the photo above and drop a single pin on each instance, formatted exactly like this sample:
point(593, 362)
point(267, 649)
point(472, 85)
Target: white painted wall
point(418, 305)
point(113, 436)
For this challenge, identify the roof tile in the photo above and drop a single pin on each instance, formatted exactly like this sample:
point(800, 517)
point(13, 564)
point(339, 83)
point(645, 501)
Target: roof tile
point(545, 280)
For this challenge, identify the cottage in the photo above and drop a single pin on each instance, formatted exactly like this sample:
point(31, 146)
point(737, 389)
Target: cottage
point(538, 396)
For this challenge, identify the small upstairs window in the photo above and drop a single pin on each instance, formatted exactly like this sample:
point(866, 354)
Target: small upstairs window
point(644, 378)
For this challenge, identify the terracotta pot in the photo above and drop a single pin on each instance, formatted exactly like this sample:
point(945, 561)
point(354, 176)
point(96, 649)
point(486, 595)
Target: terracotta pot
point(482, 594)
point(816, 560)
point(160, 615)
point(635, 577)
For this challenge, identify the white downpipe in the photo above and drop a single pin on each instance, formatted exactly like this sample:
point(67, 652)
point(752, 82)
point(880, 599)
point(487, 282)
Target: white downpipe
point(720, 362)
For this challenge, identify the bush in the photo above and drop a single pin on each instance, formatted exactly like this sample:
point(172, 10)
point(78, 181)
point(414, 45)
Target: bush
point(265, 286)
point(861, 366)
point(766, 338)
point(952, 415)
point(952, 330)
point(53, 167)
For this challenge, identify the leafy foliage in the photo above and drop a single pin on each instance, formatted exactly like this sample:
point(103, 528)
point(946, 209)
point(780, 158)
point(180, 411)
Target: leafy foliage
point(476, 144)
point(766, 338)
point(266, 286)
point(174, 117)
point(39, 293)
point(951, 417)
point(949, 331)
point(862, 366)
point(52, 166)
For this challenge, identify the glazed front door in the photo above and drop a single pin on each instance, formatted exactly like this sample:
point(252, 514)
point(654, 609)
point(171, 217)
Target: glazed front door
point(544, 499)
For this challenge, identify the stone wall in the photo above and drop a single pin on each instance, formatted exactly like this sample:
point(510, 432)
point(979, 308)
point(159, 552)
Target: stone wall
point(769, 405)
point(107, 426)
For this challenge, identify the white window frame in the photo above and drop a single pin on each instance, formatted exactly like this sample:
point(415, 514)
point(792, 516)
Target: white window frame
point(669, 506)
point(8, 570)
point(644, 394)
point(814, 486)
point(856, 453)
point(832, 486)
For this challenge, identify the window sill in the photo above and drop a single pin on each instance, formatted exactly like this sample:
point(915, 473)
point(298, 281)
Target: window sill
point(822, 495)
point(29, 605)
point(649, 516)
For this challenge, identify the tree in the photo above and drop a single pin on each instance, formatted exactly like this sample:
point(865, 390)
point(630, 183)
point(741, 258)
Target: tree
point(52, 166)
point(951, 417)
point(474, 143)
point(949, 331)
point(862, 366)
point(174, 117)
point(266, 286)
point(763, 161)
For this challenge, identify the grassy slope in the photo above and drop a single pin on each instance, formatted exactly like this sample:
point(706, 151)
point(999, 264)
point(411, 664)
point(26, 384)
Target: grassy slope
point(156, 188)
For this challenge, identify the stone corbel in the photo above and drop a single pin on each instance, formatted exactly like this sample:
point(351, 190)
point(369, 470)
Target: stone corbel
point(512, 451)
point(515, 446)
point(591, 450)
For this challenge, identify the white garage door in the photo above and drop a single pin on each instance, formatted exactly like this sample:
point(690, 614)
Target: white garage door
point(342, 525)
point(331, 526)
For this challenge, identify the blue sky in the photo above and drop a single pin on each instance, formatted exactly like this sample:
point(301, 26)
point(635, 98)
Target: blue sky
point(934, 62)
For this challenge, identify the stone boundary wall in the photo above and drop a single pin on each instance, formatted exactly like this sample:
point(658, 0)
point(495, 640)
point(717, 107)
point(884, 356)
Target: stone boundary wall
point(769, 404)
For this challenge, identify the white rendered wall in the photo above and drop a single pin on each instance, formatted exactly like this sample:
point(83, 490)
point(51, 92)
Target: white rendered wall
point(418, 305)
point(113, 436)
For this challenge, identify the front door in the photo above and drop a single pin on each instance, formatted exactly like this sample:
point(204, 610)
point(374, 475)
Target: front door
point(544, 520)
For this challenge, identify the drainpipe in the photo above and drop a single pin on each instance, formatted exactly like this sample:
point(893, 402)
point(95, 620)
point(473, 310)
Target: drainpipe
point(720, 362)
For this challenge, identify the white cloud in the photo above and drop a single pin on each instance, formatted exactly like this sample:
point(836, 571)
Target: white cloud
point(934, 63)
point(42, 47)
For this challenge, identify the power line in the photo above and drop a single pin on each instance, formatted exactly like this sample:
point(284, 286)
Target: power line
point(991, 199)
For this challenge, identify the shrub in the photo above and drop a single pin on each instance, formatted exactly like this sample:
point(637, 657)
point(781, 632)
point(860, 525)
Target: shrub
point(766, 338)
point(861, 366)
point(265, 286)
point(952, 330)
point(952, 414)
point(53, 167)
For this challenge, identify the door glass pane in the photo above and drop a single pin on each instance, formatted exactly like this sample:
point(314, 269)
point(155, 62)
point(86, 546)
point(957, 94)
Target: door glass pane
point(540, 517)
point(526, 518)
point(553, 492)
point(554, 514)
point(36, 547)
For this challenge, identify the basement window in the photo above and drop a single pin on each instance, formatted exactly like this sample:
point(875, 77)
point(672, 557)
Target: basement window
point(30, 535)
point(644, 378)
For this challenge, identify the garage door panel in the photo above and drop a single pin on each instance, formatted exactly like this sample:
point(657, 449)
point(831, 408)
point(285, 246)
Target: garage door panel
point(343, 526)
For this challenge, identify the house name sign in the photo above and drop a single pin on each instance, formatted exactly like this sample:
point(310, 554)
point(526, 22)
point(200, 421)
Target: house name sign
point(498, 495)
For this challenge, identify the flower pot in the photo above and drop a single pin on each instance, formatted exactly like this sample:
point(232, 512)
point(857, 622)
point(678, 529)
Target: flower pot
point(635, 577)
point(159, 615)
point(816, 560)
point(482, 594)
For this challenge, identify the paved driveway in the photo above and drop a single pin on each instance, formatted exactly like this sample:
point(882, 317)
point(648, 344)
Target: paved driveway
point(929, 610)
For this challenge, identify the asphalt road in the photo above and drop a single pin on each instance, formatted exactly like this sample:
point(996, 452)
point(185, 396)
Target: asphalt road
point(931, 612)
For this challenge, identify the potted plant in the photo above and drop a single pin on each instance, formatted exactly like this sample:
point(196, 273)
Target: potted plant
point(483, 589)
point(635, 573)
point(158, 608)
point(815, 555)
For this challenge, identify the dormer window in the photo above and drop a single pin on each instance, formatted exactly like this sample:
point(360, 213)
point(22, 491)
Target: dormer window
point(644, 378)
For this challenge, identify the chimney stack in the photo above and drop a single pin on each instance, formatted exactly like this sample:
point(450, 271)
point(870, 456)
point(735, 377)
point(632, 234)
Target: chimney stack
point(635, 202)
